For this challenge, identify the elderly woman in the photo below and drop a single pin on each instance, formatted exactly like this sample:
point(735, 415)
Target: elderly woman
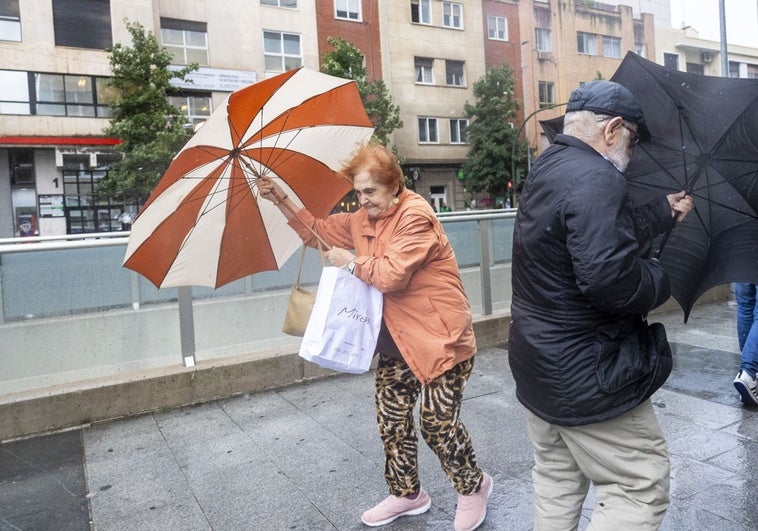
point(426, 344)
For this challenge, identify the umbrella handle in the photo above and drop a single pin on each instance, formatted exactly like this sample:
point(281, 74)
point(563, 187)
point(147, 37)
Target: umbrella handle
point(661, 245)
point(325, 245)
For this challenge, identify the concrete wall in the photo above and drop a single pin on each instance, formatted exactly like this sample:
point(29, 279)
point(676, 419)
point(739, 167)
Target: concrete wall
point(136, 392)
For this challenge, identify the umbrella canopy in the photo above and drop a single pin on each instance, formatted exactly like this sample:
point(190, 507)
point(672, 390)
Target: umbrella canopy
point(205, 224)
point(705, 141)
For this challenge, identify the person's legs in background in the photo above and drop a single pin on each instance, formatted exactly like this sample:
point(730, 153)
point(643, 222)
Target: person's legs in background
point(747, 335)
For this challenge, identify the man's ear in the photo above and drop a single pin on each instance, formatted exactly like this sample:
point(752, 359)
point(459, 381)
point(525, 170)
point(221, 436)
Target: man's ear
point(611, 130)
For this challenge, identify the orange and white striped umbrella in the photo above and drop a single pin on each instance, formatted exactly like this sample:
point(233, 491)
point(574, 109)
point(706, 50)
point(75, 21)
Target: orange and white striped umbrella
point(205, 224)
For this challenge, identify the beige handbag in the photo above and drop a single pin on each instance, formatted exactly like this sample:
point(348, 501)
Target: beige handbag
point(300, 304)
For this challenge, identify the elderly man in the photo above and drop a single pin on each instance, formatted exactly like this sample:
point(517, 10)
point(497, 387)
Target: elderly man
point(580, 350)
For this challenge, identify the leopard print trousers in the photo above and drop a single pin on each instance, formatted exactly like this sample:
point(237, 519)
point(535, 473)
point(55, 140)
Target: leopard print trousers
point(397, 391)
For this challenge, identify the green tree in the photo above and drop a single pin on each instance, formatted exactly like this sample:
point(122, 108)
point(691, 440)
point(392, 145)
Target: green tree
point(490, 135)
point(151, 129)
point(346, 61)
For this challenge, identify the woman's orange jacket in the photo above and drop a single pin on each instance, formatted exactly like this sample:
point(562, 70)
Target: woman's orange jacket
point(406, 255)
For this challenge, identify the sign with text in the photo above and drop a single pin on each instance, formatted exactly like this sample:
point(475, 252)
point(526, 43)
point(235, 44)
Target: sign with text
point(51, 205)
point(215, 79)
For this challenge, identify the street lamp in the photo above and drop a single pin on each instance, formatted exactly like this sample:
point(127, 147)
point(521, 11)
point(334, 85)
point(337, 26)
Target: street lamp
point(523, 103)
point(523, 126)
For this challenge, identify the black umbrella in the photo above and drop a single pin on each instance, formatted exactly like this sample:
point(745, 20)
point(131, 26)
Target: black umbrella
point(705, 141)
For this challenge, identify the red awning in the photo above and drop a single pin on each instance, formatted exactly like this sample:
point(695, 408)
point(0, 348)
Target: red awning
point(58, 141)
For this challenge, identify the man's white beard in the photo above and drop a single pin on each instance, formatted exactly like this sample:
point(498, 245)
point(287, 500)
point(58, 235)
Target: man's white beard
point(619, 154)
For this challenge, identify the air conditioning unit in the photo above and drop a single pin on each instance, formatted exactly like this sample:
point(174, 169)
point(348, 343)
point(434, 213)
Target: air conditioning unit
point(543, 56)
point(707, 57)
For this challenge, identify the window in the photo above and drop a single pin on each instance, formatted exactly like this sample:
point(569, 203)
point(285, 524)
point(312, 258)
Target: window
point(734, 69)
point(71, 17)
point(71, 95)
point(585, 43)
point(84, 211)
point(546, 94)
point(452, 15)
point(10, 21)
point(14, 92)
point(292, 4)
point(454, 73)
point(421, 11)
point(458, 131)
point(542, 40)
point(38, 93)
point(196, 107)
point(612, 47)
point(427, 131)
point(424, 70)
point(281, 51)
point(348, 9)
point(497, 28)
point(695, 68)
point(671, 60)
point(752, 71)
point(186, 40)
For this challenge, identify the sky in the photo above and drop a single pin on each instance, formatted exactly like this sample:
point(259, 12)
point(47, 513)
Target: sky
point(703, 15)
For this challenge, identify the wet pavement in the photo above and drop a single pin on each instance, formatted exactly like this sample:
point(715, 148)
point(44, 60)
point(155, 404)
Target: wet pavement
point(308, 456)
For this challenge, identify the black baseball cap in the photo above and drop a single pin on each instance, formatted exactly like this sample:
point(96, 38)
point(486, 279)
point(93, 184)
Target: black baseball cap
point(608, 97)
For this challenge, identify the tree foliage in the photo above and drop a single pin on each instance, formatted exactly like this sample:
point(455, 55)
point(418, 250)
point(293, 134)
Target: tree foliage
point(151, 129)
point(490, 133)
point(346, 61)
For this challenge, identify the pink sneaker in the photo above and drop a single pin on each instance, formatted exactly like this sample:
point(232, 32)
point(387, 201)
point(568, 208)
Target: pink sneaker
point(473, 508)
point(393, 508)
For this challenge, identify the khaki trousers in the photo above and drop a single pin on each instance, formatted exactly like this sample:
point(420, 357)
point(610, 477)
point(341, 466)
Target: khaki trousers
point(626, 460)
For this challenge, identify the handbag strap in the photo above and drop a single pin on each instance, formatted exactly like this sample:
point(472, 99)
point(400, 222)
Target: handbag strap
point(302, 259)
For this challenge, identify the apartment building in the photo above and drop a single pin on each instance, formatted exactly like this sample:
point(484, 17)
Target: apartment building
point(569, 42)
point(54, 68)
point(54, 98)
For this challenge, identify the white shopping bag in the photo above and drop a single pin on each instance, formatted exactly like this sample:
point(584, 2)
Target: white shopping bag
point(345, 322)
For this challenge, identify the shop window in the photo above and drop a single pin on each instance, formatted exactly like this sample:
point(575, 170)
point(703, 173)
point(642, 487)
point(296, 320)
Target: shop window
point(82, 23)
point(85, 212)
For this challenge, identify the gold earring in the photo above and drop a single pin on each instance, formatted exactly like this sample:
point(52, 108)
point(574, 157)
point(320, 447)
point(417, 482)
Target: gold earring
point(395, 201)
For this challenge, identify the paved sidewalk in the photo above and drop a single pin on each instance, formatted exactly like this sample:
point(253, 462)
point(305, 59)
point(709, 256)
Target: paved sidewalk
point(307, 457)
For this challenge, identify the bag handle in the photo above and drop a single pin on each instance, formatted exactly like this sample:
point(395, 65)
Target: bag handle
point(302, 259)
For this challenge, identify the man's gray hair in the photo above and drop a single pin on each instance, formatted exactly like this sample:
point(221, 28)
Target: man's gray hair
point(584, 125)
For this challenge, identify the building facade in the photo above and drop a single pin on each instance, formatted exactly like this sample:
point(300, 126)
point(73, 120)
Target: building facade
point(54, 70)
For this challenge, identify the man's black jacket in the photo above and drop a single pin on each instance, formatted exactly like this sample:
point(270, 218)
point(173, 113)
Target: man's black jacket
point(581, 286)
